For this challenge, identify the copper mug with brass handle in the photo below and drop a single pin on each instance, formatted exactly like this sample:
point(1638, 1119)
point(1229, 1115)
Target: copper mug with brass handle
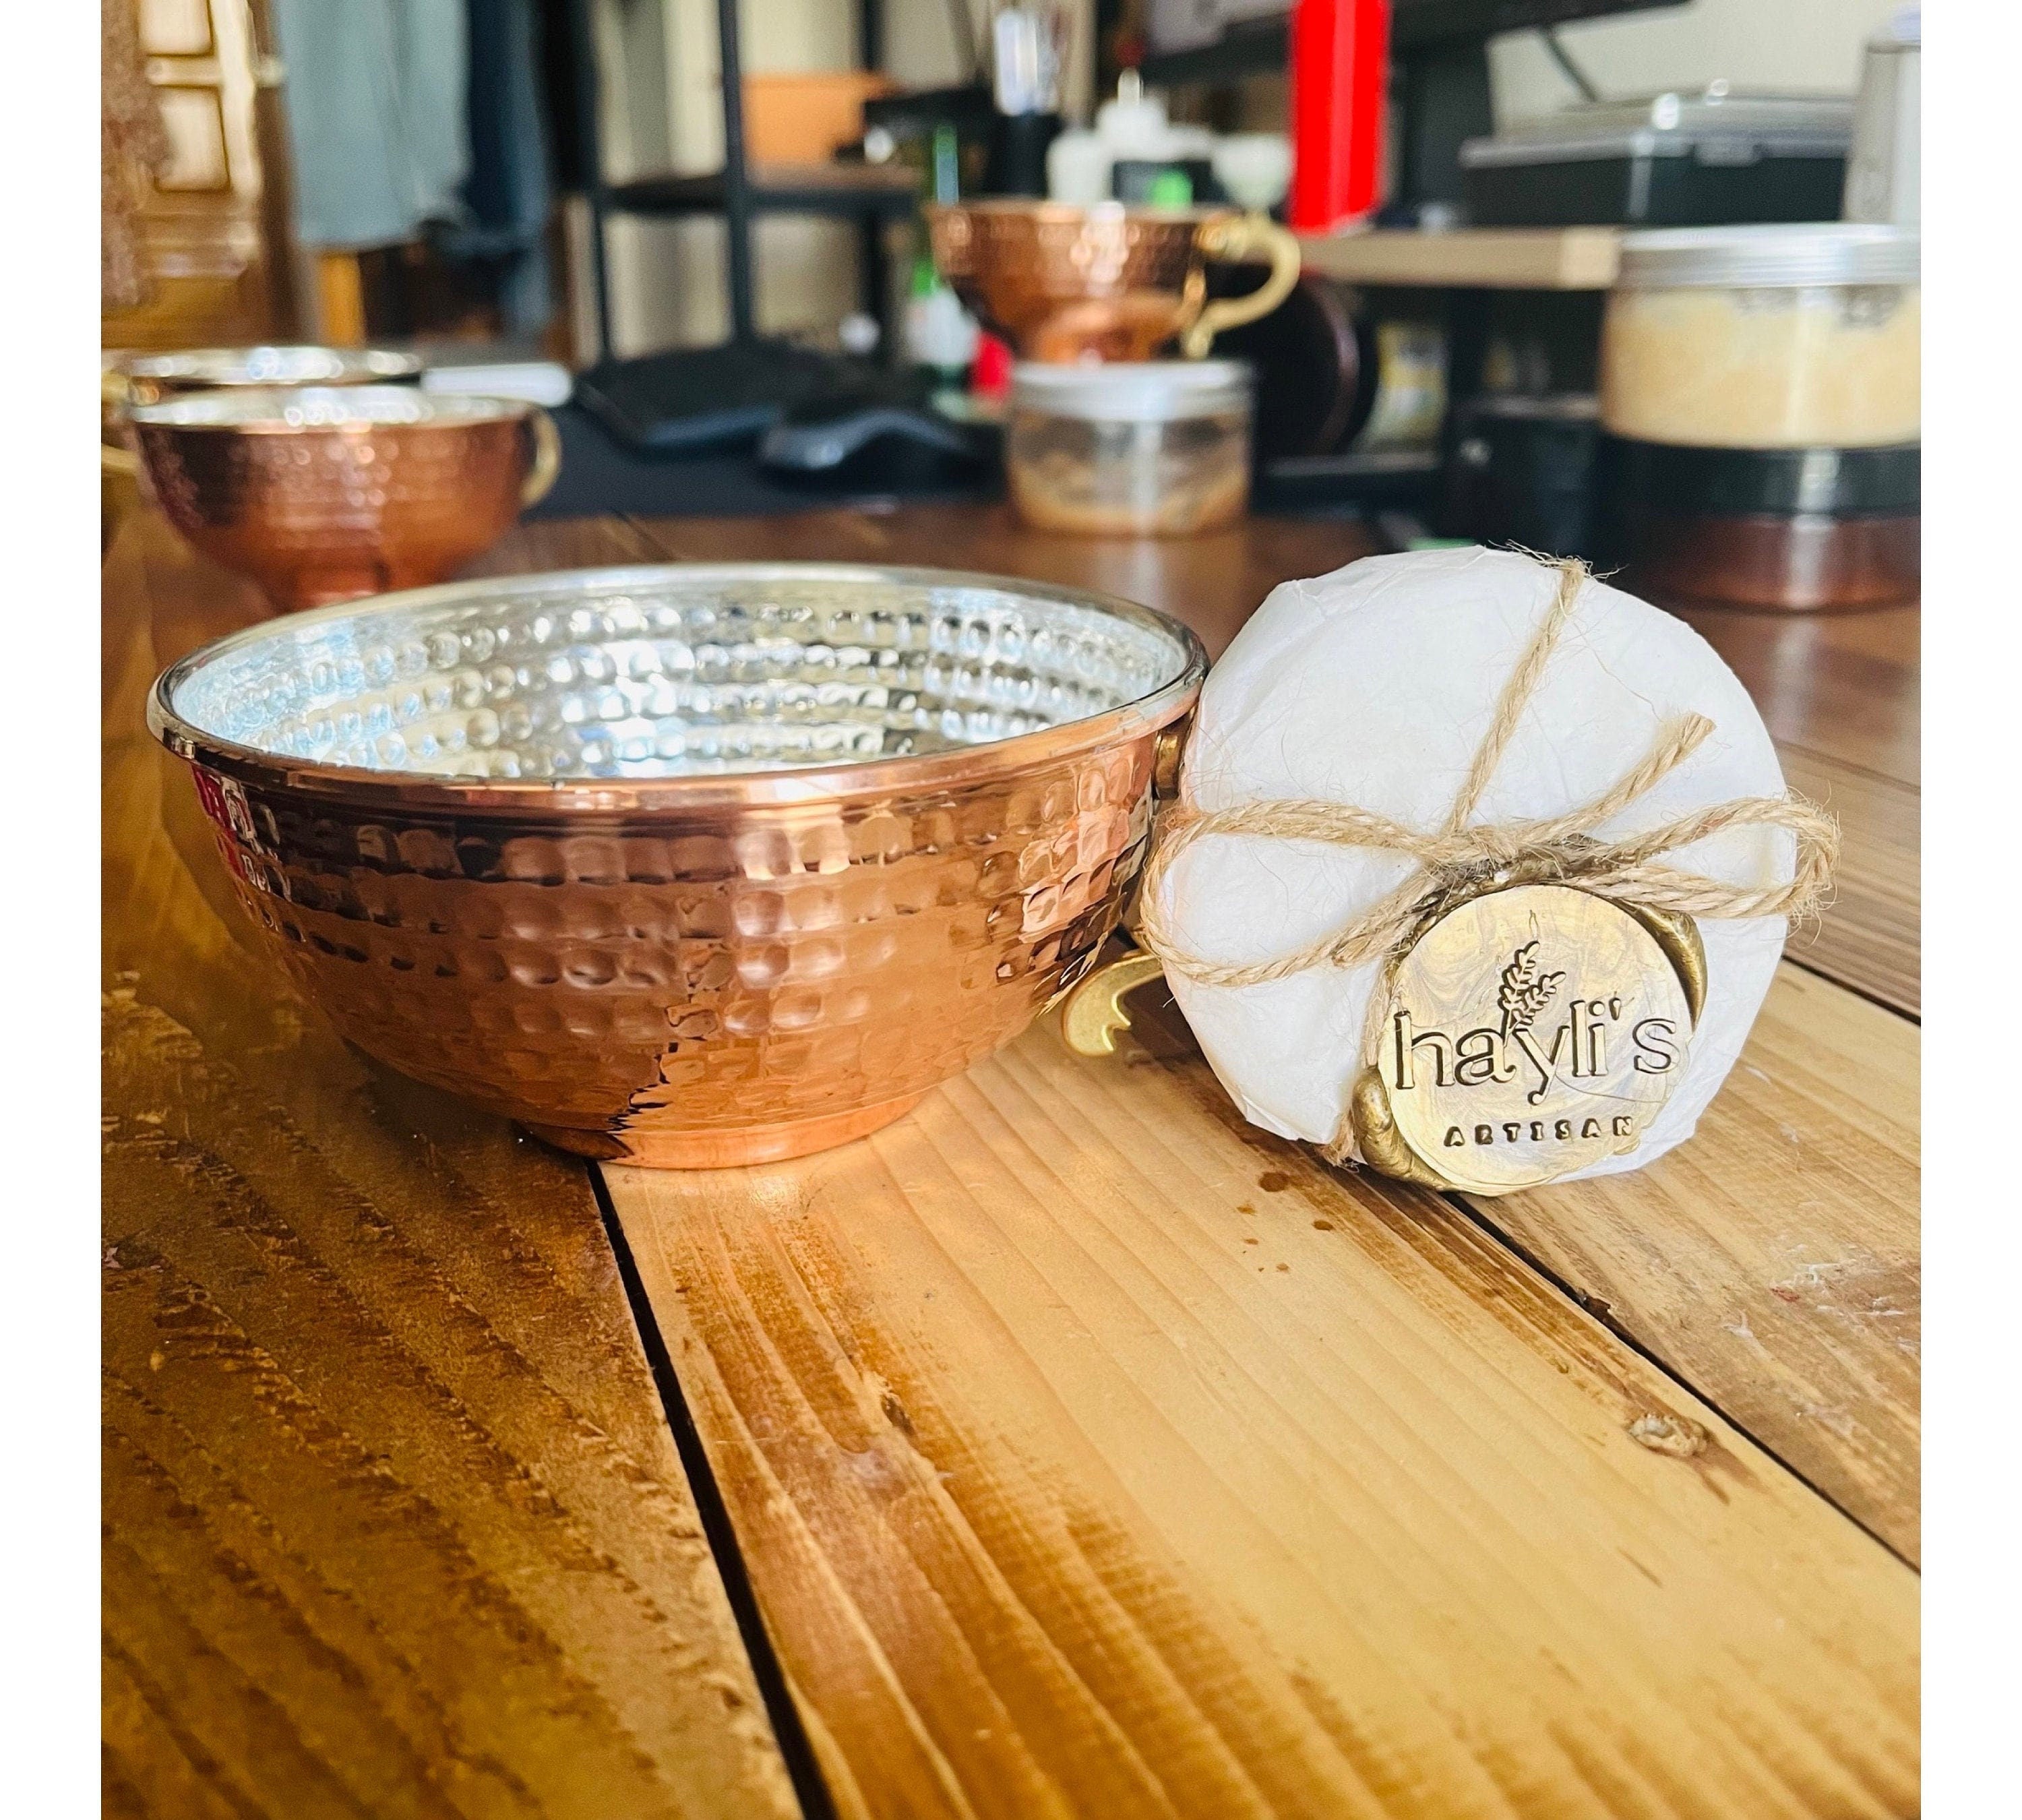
point(138, 377)
point(326, 495)
point(1064, 283)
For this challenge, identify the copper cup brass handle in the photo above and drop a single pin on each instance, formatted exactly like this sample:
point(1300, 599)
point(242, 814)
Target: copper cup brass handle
point(1092, 1010)
point(121, 459)
point(1234, 237)
point(116, 399)
point(547, 460)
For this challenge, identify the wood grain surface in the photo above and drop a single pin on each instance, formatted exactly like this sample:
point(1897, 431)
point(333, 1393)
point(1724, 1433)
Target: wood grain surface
point(1213, 582)
point(1090, 1452)
point(394, 1522)
point(1774, 1260)
point(1870, 937)
point(1093, 1454)
point(1847, 686)
point(1787, 1298)
point(1489, 259)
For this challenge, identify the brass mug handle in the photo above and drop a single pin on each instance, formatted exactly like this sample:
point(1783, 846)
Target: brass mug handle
point(117, 395)
point(1234, 238)
point(121, 460)
point(547, 460)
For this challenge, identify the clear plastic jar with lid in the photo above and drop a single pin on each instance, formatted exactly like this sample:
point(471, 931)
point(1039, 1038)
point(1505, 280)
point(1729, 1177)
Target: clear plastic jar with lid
point(1783, 337)
point(1157, 447)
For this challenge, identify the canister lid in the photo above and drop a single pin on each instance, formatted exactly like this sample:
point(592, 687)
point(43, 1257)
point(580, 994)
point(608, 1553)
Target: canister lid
point(1720, 125)
point(1770, 256)
point(1132, 391)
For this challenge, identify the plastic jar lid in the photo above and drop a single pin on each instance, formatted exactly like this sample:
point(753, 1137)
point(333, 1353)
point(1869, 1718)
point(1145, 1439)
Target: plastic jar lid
point(1132, 391)
point(1771, 257)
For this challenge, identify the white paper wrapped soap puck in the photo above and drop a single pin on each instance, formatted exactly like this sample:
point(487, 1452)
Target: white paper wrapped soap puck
point(1375, 687)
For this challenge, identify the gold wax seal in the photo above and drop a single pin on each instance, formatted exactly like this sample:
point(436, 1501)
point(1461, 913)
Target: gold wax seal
point(1528, 1032)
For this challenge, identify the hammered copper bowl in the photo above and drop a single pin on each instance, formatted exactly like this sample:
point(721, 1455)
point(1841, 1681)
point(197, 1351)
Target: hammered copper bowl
point(148, 377)
point(324, 494)
point(684, 866)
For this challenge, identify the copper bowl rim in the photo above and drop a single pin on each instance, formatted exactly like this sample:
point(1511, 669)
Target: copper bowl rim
point(1107, 210)
point(786, 787)
point(219, 369)
point(426, 410)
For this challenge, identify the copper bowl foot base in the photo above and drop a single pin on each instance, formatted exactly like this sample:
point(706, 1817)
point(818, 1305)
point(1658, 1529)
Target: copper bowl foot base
point(726, 1149)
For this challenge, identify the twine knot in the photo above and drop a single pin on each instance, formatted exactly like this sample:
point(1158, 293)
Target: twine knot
point(1462, 859)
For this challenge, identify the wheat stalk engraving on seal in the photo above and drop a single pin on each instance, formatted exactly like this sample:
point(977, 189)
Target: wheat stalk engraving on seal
point(1525, 991)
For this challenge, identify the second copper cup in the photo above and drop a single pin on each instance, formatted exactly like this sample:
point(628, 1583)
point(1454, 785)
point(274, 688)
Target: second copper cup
point(324, 494)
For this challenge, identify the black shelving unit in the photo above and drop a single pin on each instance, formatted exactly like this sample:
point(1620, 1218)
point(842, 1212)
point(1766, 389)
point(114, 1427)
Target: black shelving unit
point(869, 195)
point(1248, 47)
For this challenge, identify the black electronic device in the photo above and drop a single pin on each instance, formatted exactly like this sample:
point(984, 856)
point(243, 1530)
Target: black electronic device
point(700, 398)
point(1673, 160)
point(879, 429)
point(1522, 472)
point(1439, 56)
point(1439, 51)
point(695, 399)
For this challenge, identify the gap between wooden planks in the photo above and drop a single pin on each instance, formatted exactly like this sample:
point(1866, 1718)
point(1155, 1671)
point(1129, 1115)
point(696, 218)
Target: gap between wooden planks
point(1091, 1452)
point(1772, 1263)
point(393, 1524)
point(237, 1641)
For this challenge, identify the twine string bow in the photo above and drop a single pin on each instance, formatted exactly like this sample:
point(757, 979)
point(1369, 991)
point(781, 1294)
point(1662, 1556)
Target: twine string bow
point(1465, 855)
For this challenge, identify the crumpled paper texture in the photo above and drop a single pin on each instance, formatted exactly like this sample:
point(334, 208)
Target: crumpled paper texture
point(1374, 685)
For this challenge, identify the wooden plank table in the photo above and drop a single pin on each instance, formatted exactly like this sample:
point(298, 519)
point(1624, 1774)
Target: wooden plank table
point(1069, 1447)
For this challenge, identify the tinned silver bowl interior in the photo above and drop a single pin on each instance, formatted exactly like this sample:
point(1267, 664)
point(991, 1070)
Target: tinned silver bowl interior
point(677, 671)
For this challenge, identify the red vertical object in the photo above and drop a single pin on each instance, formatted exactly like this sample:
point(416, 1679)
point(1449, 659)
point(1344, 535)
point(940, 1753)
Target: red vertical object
point(989, 377)
point(1340, 67)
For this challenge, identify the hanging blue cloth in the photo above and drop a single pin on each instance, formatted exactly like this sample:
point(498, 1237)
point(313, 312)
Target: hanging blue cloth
point(376, 116)
point(508, 191)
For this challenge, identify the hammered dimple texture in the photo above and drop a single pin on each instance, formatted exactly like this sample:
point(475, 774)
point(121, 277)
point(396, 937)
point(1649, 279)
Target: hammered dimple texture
point(678, 976)
point(658, 982)
point(323, 512)
point(1017, 265)
point(664, 679)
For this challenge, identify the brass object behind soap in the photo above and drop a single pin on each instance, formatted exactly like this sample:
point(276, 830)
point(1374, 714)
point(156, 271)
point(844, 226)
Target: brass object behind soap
point(1092, 1012)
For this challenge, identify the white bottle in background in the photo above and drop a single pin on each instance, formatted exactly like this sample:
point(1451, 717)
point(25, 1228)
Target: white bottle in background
point(1077, 164)
point(1883, 164)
